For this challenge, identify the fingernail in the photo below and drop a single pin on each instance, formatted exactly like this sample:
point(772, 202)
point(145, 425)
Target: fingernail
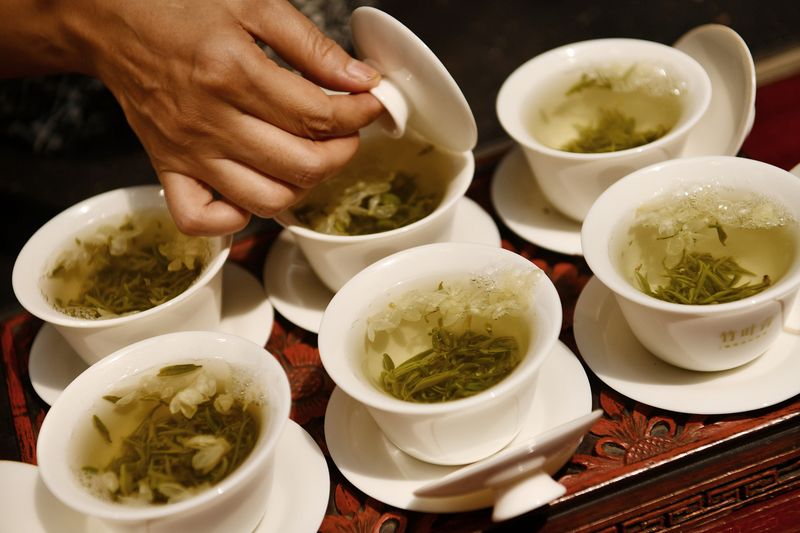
point(361, 71)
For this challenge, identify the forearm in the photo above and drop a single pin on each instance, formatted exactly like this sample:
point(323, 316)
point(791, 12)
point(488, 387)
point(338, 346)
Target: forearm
point(228, 131)
point(36, 38)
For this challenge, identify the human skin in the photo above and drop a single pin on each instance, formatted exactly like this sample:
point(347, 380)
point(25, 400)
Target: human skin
point(229, 132)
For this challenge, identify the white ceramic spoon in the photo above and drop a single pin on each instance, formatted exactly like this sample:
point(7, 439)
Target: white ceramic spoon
point(727, 60)
point(520, 476)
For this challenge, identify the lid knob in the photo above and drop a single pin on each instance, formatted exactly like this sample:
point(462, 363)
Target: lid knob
point(393, 121)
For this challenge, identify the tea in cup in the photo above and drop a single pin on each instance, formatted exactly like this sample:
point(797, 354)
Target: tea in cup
point(173, 433)
point(702, 256)
point(413, 166)
point(113, 269)
point(588, 113)
point(442, 344)
point(396, 193)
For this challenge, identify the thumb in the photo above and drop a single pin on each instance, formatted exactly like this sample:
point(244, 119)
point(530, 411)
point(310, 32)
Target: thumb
point(301, 44)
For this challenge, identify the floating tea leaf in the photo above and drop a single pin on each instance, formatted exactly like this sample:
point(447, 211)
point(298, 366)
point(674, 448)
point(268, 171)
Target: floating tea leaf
point(610, 108)
point(479, 298)
point(388, 184)
point(612, 131)
point(370, 206)
point(457, 338)
point(706, 243)
point(602, 80)
point(456, 366)
point(701, 279)
point(101, 428)
point(131, 267)
point(176, 370)
point(165, 455)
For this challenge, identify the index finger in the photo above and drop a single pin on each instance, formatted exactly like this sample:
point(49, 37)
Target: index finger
point(237, 72)
point(298, 41)
point(295, 104)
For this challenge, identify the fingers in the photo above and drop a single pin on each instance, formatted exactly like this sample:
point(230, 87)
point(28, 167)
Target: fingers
point(298, 41)
point(264, 170)
point(267, 149)
point(245, 190)
point(280, 97)
point(230, 132)
point(261, 195)
point(273, 152)
point(195, 210)
point(246, 78)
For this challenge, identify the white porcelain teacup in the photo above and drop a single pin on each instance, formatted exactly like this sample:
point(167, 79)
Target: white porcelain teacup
point(422, 102)
point(196, 308)
point(712, 336)
point(235, 503)
point(450, 432)
point(571, 181)
point(337, 258)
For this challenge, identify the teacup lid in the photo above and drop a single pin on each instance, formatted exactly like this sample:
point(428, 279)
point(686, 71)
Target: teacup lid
point(518, 476)
point(435, 106)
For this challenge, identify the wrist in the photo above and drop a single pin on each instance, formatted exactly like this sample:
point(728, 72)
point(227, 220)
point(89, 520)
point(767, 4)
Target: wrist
point(40, 37)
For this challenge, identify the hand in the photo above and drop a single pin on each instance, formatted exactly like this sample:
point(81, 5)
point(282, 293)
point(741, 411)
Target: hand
point(229, 132)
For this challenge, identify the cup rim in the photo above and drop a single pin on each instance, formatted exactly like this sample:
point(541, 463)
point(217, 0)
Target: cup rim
point(462, 185)
point(333, 335)
point(38, 307)
point(596, 247)
point(504, 111)
point(94, 506)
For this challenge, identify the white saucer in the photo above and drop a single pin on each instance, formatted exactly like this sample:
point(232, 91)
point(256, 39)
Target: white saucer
point(298, 294)
point(245, 312)
point(375, 466)
point(26, 504)
point(724, 55)
point(301, 486)
point(297, 502)
point(612, 352)
point(520, 204)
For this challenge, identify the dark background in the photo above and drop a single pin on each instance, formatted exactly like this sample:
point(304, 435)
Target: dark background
point(480, 42)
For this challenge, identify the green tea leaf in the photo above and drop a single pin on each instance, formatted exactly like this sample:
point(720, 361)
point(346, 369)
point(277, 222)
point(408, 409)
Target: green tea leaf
point(373, 205)
point(721, 235)
point(611, 132)
point(101, 427)
point(456, 366)
point(702, 279)
point(130, 268)
point(177, 370)
point(167, 453)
